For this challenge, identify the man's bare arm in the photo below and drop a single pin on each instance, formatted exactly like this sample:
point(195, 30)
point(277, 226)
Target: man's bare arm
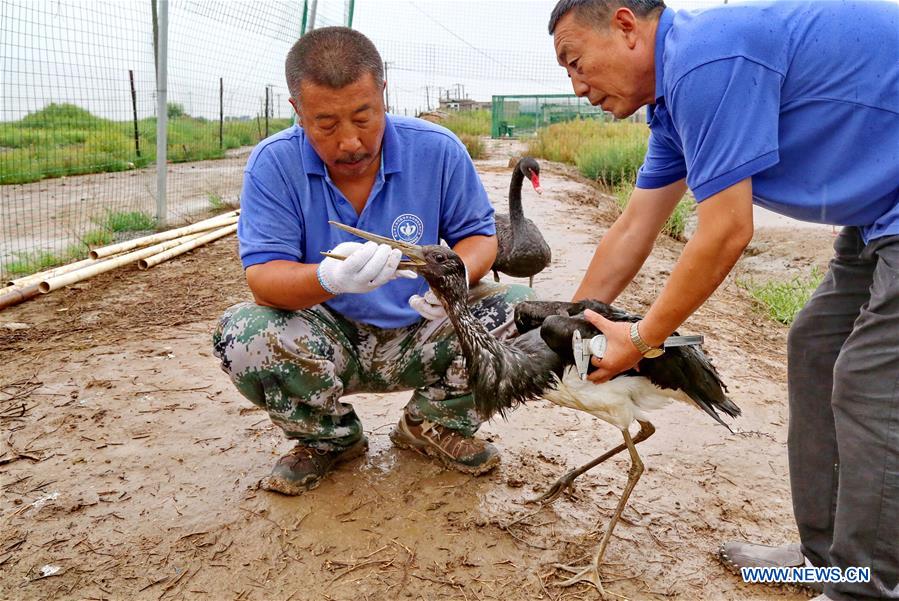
point(624, 248)
point(286, 285)
point(478, 253)
point(724, 230)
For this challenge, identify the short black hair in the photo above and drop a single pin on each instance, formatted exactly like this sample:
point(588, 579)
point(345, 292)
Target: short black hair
point(334, 57)
point(597, 12)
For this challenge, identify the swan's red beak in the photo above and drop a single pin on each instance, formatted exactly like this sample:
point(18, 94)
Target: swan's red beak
point(535, 181)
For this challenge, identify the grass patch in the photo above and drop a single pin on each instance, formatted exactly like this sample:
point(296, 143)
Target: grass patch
point(565, 142)
point(783, 300)
point(474, 145)
point(611, 163)
point(609, 153)
point(129, 221)
point(101, 237)
point(32, 262)
point(471, 123)
point(28, 263)
point(64, 139)
point(675, 226)
point(217, 203)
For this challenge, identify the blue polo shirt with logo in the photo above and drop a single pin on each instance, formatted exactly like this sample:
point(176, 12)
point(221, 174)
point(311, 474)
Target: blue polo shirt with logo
point(426, 190)
point(802, 97)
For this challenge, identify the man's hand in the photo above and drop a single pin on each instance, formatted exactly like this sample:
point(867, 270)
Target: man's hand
point(427, 306)
point(620, 355)
point(367, 267)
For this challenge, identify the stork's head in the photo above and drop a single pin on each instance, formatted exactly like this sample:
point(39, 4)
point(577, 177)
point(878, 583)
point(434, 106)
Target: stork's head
point(439, 265)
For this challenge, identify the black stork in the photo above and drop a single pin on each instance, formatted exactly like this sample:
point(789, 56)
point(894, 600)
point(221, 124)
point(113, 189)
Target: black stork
point(521, 250)
point(539, 364)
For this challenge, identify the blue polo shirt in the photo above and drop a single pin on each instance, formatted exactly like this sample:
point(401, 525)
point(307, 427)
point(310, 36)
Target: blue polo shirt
point(802, 97)
point(426, 190)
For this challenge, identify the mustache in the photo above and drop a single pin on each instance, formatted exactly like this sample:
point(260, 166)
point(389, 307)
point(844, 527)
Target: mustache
point(353, 158)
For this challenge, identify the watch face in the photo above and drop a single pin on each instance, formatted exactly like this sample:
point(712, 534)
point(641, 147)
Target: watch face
point(653, 353)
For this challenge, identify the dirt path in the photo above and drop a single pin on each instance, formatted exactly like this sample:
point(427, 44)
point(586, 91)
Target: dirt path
point(128, 460)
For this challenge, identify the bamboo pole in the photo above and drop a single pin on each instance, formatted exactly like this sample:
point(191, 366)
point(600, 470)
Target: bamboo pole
point(35, 278)
point(56, 282)
point(206, 224)
point(18, 295)
point(150, 261)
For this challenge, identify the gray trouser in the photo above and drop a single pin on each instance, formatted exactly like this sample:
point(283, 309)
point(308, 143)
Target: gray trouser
point(844, 417)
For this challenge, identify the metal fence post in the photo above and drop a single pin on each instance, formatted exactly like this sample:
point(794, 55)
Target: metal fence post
point(221, 114)
point(162, 113)
point(134, 112)
point(313, 9)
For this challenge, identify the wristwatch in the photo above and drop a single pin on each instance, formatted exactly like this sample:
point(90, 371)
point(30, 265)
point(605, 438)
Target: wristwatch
point(650, 352)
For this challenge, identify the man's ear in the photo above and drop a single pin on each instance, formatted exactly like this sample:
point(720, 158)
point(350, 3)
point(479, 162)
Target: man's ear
point(625, 22)
point(296, 107)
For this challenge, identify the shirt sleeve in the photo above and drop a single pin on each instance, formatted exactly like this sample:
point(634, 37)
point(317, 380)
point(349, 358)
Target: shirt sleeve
point(663, 163)
point(270, 227)
point(726, 113)
point(465, 210)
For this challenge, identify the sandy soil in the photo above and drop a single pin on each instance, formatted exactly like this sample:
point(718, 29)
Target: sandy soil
point(130, 463)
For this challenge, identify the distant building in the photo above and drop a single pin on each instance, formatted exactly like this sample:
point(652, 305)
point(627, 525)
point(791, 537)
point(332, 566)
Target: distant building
point(462, 104)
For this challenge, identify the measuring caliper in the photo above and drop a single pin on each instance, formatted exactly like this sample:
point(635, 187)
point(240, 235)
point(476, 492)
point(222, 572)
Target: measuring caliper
point(584, 350)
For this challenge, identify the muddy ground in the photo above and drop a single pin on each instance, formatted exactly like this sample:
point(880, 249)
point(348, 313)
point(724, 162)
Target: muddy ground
point(129, 463)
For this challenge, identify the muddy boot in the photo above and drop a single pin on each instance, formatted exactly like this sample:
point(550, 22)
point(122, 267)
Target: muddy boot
point(303, 468)
point(469, 455)
point(738, 554)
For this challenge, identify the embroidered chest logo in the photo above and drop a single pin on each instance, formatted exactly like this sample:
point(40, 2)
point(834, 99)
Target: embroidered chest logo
point(407, 228)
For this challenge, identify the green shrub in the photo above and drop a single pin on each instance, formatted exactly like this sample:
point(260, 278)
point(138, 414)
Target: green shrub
point(611, 162)
point(675, 225)
point(564, 142)
point(175, 110)
point(783, 299)
point(472, 123)
point(474, 145)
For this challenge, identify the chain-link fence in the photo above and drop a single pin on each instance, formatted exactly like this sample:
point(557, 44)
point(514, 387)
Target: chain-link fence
point(78, 99)
point(78, 107)
point(519, 116)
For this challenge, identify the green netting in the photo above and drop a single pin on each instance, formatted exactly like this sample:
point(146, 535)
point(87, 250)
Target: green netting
point(521, 116)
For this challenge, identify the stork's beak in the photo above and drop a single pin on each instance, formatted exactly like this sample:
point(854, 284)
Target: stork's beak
point(413, 251)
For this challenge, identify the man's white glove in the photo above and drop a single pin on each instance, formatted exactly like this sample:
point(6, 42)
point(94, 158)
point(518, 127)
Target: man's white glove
point(428, 306)
point(367, 266)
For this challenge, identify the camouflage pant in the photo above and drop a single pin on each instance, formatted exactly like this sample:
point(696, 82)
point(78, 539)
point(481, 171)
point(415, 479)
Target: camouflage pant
point(298, 364)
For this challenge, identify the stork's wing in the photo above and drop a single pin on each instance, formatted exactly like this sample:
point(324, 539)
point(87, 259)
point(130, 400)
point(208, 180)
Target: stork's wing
point(689, 369)
point(684, 368)
point(531, 314)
